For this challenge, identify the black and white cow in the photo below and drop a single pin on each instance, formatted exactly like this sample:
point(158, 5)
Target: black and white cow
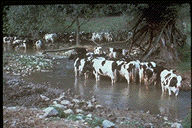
point(170, 81)
point(104, 67)
point(98, 50)
point(118, 53)
point(19, 44)
point(146, 71)
point(100, 66)
point(7, 40)
point(38, 45)
point(78, 52)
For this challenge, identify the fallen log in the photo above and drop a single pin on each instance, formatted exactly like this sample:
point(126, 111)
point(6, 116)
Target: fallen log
point(63, 49)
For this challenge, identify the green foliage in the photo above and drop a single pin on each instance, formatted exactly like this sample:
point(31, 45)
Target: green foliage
point(95, 122)
point(185, 64)
point(187, 121)
point(31, 19)
point(60, 111)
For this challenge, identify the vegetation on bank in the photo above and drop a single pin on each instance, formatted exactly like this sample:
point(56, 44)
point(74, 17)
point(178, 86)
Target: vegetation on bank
point(187, 121)
point(25, 64)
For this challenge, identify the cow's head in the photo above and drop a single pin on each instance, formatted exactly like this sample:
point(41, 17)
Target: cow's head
point(175, 83)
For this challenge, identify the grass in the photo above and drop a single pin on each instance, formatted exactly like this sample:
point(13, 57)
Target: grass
point(114, 23)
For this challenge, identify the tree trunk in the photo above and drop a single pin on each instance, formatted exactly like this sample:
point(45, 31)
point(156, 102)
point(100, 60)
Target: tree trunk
point(78, 29)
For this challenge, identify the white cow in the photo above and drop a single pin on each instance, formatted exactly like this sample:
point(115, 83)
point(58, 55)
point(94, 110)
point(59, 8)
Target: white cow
point(170, 81)
point(50, 37)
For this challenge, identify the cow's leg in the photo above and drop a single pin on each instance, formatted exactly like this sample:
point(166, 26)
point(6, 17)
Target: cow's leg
point(112, 81)
point(86, 75)
point(75, 69)
point(162, 87)
point(97, 77)
point(145, 81)
point(127, 78)
point(169, 91)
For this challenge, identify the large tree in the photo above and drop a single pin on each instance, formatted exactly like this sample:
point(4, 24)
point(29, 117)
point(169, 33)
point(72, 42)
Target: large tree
point(156, 33)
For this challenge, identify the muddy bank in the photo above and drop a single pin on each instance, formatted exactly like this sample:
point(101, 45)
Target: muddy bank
point(28, 98)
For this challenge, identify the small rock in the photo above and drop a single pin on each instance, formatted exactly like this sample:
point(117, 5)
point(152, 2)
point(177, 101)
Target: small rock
point(79, 111)
point(44, 98)
point(60, 97)
point(165, 118)
point(68, 111)
point(98, 106)
point(50, 111)
point(75, 101)
point(90, 106)
point(148, 125)
point(89, 115)
point(54, 102)
point(76, 106)
point(108, 124)
point(176, 125)
point(60, 106)
point(79, 117)
point(65, 102)
point(148, 112)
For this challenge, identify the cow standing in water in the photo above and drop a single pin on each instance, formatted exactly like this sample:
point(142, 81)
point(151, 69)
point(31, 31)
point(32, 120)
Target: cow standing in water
point(38, 45)
point(104, 67)
point(170, 81)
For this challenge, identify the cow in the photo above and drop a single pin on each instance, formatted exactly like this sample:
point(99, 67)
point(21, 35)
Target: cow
point(108, 36)
point(122, 67)
point(19, 44)
point(7, 40)
point(118, 53)
point(97, 37)
point(98, 50)
point(38, 45)
point(101, 66)
point(80, 63)
point(115, 52)
point(146, 72)
point(170, 81)
point(50, 37)
point(78, 52)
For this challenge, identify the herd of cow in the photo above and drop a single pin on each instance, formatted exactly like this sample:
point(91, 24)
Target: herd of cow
point(116, 64)
point(111, 62)
point(23, 43)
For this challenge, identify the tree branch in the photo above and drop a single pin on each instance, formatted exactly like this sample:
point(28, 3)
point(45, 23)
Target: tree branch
point(156, 41)
point(63, 49)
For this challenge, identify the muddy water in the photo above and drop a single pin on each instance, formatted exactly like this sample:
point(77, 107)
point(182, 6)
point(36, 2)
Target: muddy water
point(121, 96)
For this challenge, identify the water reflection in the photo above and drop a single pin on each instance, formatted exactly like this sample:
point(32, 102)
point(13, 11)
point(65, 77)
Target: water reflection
point(168, 105)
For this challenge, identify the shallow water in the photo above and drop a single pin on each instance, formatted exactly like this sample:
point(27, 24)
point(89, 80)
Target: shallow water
point(121, 96)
